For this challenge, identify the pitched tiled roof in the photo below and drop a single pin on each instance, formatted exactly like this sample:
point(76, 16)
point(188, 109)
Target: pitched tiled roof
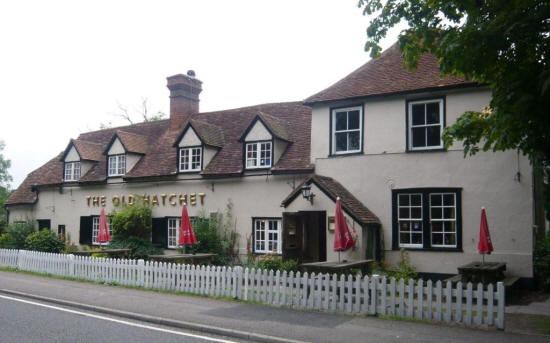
point(154, 139)
point(334, 189)
point(278, 126)
point(88, 150)
point(388, 75)
point(49, 173)
point(210, 134)
point(134, 143)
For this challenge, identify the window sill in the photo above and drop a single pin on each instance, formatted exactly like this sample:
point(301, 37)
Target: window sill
point(189, 171)
point(426, 150)
point(346, 154)
point(438, 249)
point(268, 253)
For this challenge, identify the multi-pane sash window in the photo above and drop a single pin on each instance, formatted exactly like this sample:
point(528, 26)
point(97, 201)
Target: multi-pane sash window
point(346, 130)
point(190, 159)
point(410, 219)
point(95, 230)
point(443, 219)
point(72, 171)
point(267, 236)
point(258, 155)
point(427, 218)
point(117, 165)
point(425, 124)
point(173, 231)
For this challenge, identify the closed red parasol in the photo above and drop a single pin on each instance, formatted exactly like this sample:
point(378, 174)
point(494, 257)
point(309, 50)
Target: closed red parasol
point(484, 246)
point(187, 235)
point(342, 237)
point(103, 235)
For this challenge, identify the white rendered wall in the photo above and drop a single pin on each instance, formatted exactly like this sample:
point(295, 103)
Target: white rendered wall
point(486, 179)
point(278, 150)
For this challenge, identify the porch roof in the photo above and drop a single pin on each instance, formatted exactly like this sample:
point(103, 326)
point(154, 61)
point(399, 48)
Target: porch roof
point(333, 189)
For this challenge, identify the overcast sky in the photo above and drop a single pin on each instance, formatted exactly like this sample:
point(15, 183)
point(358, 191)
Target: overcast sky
point(65, 65)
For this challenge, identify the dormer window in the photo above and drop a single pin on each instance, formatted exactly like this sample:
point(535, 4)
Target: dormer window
point(258, 155)
point(190, 159)
point(117, 165)
point(72, 171)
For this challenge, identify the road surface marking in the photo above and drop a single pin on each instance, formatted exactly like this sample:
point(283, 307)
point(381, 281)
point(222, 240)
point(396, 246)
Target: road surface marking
point(117, 320)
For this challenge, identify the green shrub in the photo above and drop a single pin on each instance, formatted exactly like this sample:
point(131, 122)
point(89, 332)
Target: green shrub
point(133, 221)
point(215, 236)
point(542, 262)
point(15, 235)
point(44, 240)
point(270, 263)
point(99, 255)
point(290, 266)
point(139, 247)
point(405, 270)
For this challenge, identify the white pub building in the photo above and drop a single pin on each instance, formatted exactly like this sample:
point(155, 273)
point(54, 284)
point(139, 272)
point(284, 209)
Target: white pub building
point(373, 139)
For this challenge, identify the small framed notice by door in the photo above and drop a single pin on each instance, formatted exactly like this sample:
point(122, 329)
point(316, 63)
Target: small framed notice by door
point(331, 224)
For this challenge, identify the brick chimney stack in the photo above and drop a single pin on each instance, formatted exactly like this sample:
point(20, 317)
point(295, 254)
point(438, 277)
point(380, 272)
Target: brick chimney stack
point(184, 98)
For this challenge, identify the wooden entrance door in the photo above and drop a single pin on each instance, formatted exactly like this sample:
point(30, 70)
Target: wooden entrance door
point(292, 236)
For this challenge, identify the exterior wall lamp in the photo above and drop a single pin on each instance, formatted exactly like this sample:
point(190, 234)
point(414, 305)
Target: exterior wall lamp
point(306, 193)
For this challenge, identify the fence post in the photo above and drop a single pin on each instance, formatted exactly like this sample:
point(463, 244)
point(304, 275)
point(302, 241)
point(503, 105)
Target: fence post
point(374, 295)
point(501, 298)
point(20, 255)
point(71, 266)
point(238, 281)
point(141, 272)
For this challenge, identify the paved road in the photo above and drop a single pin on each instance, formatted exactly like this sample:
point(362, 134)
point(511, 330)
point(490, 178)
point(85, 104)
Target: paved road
point(24, 321)
point(278, 322)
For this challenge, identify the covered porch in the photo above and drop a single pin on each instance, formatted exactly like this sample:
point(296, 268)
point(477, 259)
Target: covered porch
point(308, 224)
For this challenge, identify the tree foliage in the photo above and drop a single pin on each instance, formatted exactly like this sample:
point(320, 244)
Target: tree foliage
point(15, 235)
point(5, 192)
point(503, 44)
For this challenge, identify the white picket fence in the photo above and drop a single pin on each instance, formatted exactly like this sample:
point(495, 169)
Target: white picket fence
point(348, 294)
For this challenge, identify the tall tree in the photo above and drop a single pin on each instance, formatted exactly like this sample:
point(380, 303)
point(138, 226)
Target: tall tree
point(5, 179)
point(502, 44)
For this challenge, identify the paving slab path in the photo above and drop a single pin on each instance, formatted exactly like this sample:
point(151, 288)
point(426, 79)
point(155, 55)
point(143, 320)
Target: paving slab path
point(285, 324)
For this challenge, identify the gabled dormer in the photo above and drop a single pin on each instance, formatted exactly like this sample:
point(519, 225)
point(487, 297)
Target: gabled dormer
point(264, 142)
point(78, 158)
point(197, 144)
point(123, 152)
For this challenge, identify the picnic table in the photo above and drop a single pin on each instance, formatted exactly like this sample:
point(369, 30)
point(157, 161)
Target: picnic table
point(488, 272)
point(120, 253)
point(343, 267)
point(182, 258)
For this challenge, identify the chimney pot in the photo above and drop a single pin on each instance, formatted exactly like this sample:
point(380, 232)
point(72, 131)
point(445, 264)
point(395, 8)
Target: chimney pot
point(184, 98)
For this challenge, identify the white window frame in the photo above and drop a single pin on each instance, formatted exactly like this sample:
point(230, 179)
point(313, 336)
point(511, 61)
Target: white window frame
point(268, 231)
point(333, 130)
point(441, 124)
point(186, 159)
point(444, 220)
point(410, 220)
point(116, 165)
point(173, 232)
point(72, 171)
point(256, 161)
point(95, 230)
